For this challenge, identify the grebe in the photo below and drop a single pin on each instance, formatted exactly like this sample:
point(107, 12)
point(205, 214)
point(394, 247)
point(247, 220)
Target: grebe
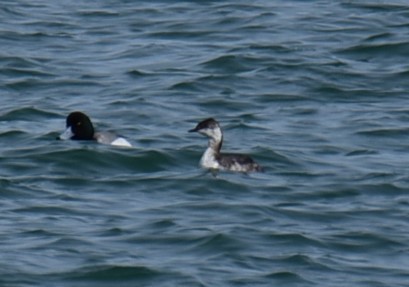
point(213, 159)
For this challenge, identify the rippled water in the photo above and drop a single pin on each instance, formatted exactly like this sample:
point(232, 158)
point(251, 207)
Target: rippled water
point(315, 91)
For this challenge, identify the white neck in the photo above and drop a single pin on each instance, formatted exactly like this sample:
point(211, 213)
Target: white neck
point(208, 159)
point(214, 145)
point(215, 139)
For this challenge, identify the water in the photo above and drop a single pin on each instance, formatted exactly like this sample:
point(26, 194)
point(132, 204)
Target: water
point(315, 91)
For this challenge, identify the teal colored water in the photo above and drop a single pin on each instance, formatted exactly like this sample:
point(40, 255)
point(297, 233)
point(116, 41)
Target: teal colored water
point(315, 91)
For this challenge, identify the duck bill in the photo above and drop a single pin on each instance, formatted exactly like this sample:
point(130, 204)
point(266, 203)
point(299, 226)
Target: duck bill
point(192, 130)
point(66, 135)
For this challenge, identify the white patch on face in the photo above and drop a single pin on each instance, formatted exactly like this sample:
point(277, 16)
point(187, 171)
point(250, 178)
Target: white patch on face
point(121, 142)
point(67, 134)
point(214, 133)
point(206, 132)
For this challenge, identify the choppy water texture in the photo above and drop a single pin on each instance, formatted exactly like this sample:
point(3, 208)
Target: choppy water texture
point(315, 91)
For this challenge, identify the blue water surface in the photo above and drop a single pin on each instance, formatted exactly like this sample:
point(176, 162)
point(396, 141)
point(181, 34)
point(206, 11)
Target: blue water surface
point(315, 91)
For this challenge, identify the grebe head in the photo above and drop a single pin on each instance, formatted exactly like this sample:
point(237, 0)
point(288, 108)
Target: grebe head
point(210, 128)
